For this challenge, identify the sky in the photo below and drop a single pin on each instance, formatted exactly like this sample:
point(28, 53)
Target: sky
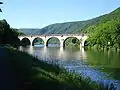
point(40, 13)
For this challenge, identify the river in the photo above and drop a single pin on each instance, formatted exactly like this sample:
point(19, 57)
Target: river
point(101, 66)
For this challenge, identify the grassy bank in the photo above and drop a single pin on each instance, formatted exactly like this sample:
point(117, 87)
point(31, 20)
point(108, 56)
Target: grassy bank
point(33, 74)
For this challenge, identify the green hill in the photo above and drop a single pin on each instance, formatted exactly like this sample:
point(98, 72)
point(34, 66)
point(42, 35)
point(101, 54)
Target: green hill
point(74, 27)
point(106, 34)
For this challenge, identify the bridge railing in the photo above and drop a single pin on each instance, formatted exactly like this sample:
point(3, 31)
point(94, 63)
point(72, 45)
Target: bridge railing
point(55, 35)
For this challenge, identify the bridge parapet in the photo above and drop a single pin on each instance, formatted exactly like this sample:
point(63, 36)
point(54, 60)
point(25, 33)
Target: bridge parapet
point(54, 35)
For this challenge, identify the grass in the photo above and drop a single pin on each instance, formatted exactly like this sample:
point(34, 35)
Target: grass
point(33, 74)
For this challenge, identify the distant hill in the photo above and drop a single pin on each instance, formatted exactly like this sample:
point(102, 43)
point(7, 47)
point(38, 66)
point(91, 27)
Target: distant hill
point(74, 27)
point(29, 30)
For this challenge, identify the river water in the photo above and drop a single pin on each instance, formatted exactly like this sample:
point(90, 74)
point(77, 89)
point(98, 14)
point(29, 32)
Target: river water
point(102, 67)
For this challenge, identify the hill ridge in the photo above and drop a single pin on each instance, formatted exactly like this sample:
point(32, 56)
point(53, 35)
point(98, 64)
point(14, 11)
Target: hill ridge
point(73, 26)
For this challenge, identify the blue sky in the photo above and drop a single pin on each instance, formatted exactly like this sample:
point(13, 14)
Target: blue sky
point(40, 13)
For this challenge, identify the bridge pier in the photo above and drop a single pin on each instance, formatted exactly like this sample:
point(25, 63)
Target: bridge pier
point(31, 41)
point(62, 43)
point(45, 43)
point(82, 44)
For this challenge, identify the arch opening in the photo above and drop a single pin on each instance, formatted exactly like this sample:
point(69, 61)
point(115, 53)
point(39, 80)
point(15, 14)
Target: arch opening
point(53, 42)
point(71, 42)
point(85, 43)
point(25, 42)
point(38, 42)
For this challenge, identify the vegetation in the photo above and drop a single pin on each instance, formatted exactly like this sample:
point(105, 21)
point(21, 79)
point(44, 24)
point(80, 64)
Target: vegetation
point(38, 41)
point(106, 34)
point(8, 35)
point(54, 41)
point(61, 28)
point(72, 42)
point(33, 74)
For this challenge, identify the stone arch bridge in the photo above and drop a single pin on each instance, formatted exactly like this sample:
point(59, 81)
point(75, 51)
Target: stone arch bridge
point(61, 37)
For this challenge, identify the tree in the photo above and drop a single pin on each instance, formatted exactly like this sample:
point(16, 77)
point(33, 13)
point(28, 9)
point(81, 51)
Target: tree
point(0, 8)
point(104, 33)
point(1, 29)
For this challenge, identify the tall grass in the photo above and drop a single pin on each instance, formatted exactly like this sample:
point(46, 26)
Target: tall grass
point(33, 74)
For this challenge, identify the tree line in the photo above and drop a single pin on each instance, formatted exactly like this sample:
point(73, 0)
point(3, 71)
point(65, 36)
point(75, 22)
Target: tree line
point(105, 35)
point(8, 35)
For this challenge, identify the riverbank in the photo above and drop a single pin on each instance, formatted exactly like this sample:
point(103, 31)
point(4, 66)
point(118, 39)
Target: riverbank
point(33, 74)
point(95, 47)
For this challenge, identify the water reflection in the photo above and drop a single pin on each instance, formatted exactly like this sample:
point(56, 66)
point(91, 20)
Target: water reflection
point(61, 53)
point(99, 66)
point(31, 50)
point(108, 62)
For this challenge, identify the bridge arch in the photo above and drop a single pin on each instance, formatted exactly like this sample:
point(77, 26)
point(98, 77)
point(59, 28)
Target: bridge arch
point(25, 41)
point(56, 39)
point(85, 43)
point(61, 37)
point(37, 40)
point(74, 40)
